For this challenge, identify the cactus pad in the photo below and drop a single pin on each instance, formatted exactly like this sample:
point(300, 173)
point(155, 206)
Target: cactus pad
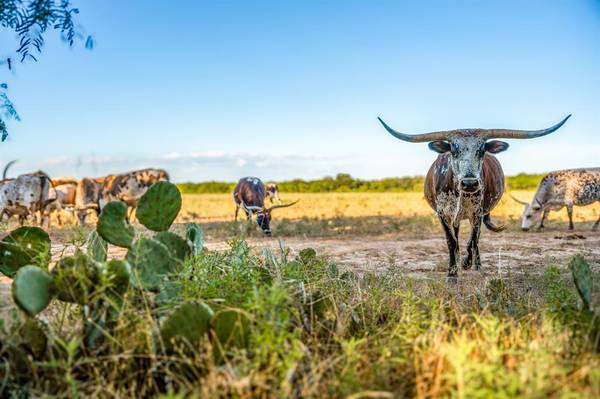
point(32, 289)
point(113, 227)
point(159, 206)
point(177, 246)
point(75, 278)
point(97, 247)
point(32, 333)
point(195, 237)
point(150, 261)
point(232, 328)
point(187, 325)
point(119, 273)
point(582, 276)
point(24, 246)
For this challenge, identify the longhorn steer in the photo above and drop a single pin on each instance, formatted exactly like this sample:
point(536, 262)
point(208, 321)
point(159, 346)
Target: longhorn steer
point(563, 188)
point(466, 181)
point(62, 196)
point(129, 187)
point(25, 195)
point(87, 196)
point(249, 194)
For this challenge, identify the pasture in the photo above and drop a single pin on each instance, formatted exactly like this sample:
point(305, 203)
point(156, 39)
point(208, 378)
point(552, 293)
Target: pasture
point(364, 313)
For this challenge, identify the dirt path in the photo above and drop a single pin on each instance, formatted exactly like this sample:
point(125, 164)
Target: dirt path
point(506, 254)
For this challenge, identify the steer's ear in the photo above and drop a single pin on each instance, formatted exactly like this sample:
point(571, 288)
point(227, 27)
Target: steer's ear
point(496, 146)
point(439, 146)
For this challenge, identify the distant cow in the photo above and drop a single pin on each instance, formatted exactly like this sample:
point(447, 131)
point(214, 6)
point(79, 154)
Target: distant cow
point(564, 188)
point(129, 187)
point(466, 181)
point(249, 194)
point(25, 196)
point(272, 192)
point(87, 197)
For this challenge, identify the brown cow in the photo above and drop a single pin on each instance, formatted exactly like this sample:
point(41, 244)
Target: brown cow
point(249, 194)
point(87, 197)
point(466, 181)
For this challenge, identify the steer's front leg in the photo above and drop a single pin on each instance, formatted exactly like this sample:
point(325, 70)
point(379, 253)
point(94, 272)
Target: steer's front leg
point(453, 250)
point(473, 246)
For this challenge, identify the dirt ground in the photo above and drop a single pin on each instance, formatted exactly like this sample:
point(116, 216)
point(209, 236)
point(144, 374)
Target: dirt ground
point(507, 254)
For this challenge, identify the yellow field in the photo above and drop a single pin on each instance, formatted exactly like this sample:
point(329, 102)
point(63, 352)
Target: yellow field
point(220, 207)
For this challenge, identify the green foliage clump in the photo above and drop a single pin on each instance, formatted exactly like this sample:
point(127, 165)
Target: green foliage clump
point(344, 182)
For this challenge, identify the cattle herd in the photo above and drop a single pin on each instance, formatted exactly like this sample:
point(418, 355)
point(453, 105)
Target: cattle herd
point(33, 194)
point(465, 182)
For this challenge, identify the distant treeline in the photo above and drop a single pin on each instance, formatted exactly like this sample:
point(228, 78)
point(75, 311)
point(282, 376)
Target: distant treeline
point(345, 183)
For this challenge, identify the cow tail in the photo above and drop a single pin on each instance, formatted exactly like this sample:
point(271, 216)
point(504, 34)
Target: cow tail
point(487, 220)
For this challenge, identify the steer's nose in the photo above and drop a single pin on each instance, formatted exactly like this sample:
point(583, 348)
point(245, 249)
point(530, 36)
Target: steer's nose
point(469, 184)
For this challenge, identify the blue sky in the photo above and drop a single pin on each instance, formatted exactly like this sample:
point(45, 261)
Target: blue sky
point(216, 90)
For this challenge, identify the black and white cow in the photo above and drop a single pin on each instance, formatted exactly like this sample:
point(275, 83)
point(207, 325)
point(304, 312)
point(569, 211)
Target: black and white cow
point(249, 194)
point(559, 189)
point(25, 196)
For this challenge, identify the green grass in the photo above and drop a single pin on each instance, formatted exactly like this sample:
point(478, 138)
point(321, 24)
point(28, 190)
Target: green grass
point(320, 332)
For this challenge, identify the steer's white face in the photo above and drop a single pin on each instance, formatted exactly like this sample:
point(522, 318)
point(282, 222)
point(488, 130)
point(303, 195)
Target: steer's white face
point(467, 154)
point(532, 215)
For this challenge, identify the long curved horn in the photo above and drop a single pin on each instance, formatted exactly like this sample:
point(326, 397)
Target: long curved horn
point(520, 134)
point(8, 165)
point(282, 205)
point(483, 133)
point(418, 138)
point(518, 200)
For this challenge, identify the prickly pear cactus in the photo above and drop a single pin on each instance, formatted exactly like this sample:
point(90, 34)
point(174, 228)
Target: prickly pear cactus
point(188, 325)
point(177, 246)
point(151, 262)
point(231, 329)
point(32, 289)
point(159, 206)
point(97, 247)
point(32, 334)
point(113, 227)
point(75, 278)
point(195, 237)
point(24, 246)
point(582, 276)
point(118, 273)
point(307, 255)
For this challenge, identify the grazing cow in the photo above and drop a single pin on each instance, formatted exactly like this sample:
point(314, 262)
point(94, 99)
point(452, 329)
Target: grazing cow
point(249, 194)
point(25, 195)
point(466, 181)
point(129, 187)
point(272, 192)
point(563, 188)
point(87, 197)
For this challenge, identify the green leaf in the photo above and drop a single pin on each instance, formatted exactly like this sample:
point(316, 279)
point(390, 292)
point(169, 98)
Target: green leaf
point(159, 206)
point(113, 227)
point(24, 246)
point(32, 289)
